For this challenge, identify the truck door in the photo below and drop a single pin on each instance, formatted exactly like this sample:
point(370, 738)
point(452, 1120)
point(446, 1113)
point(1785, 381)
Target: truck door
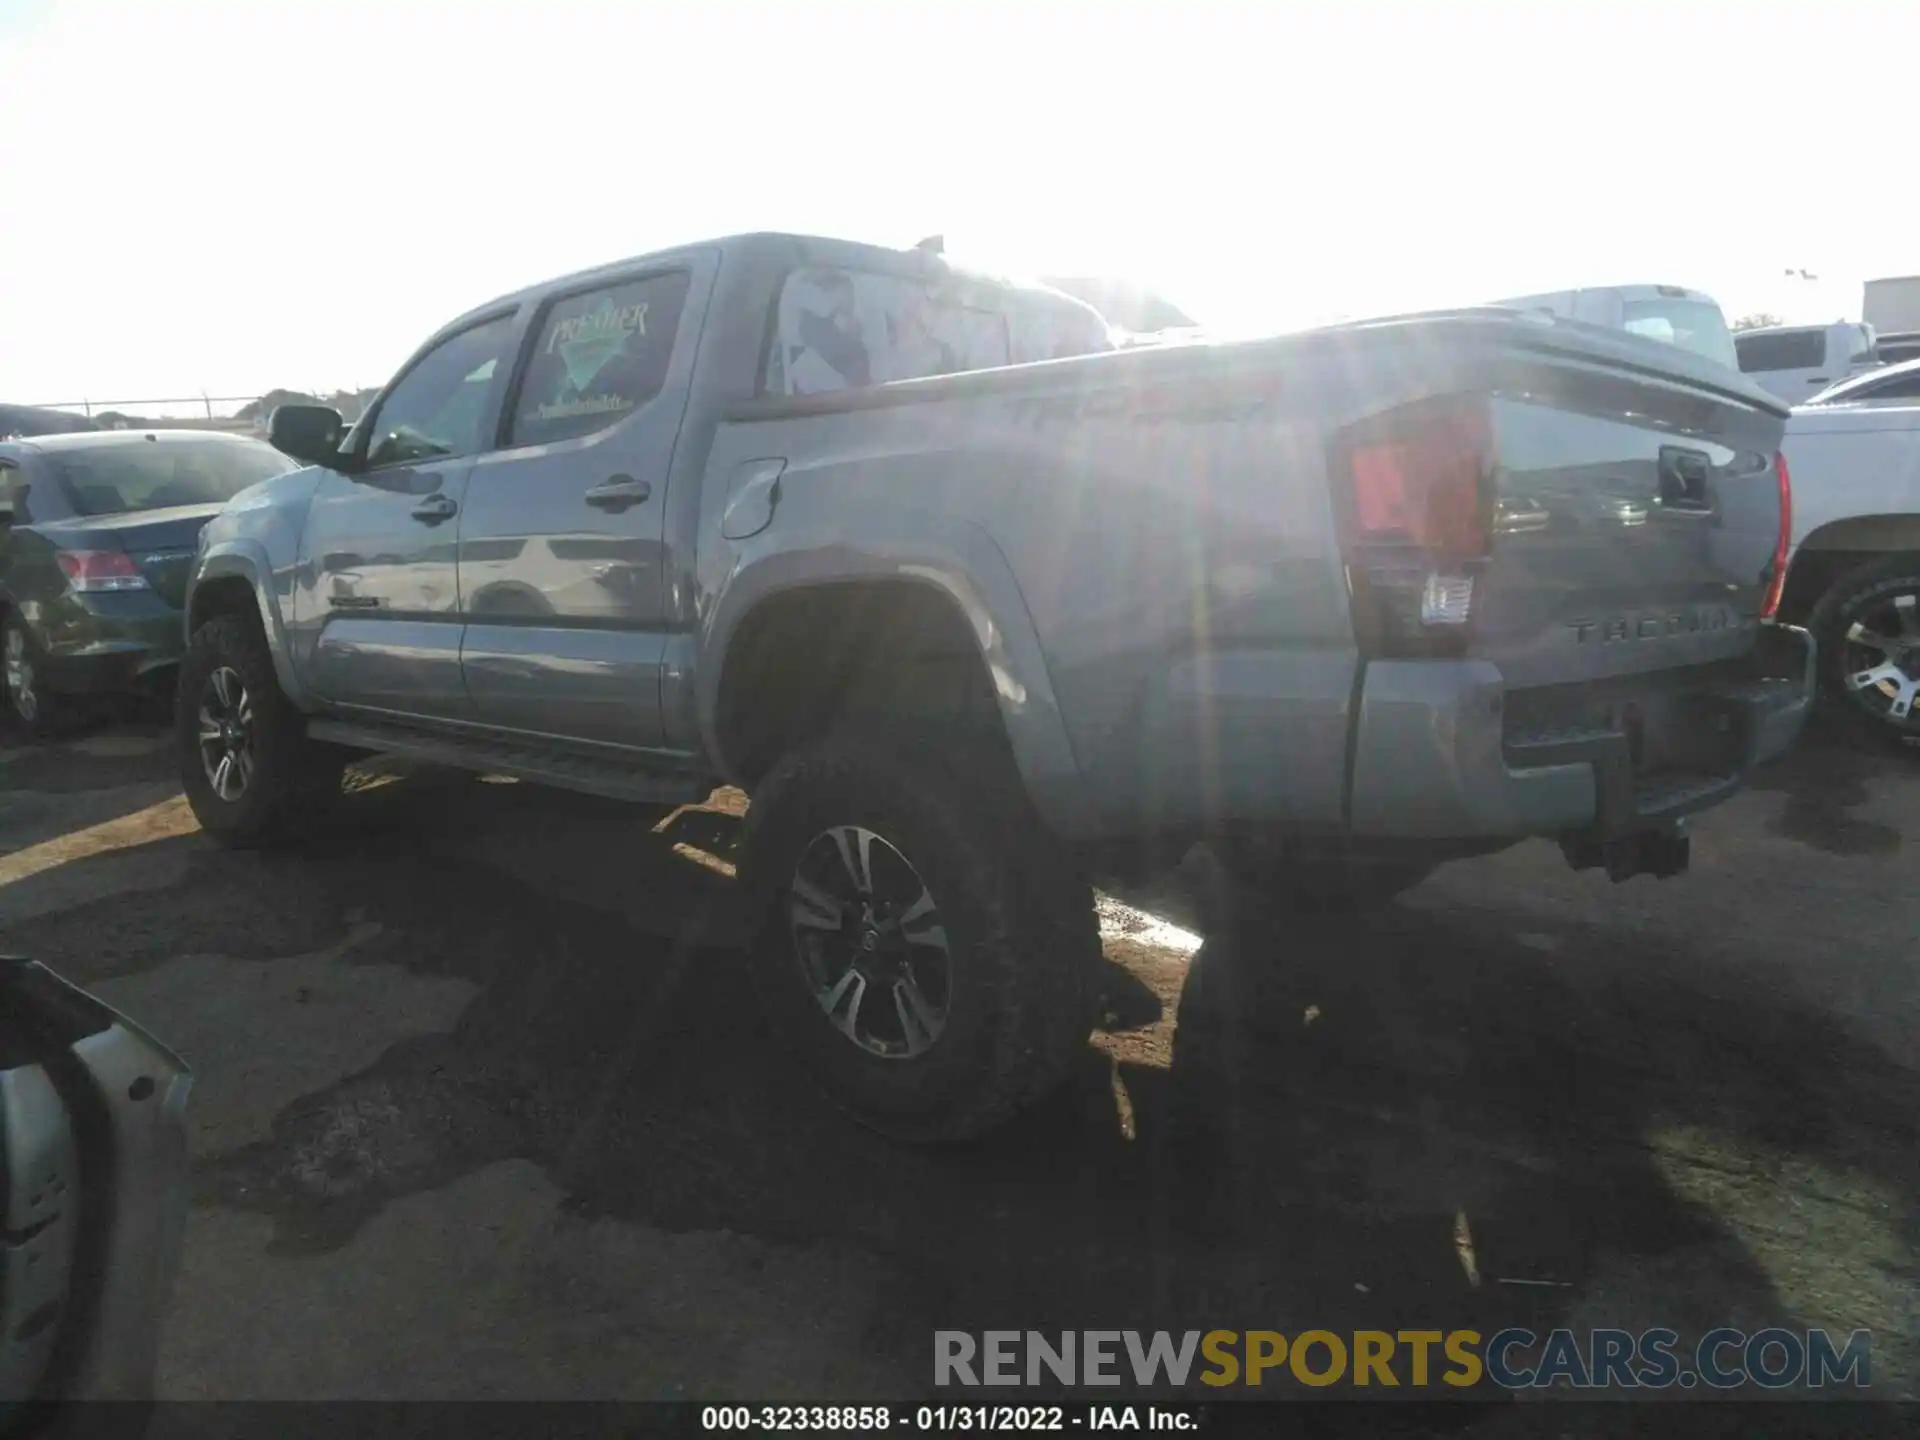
point(563, 562)
point(378, 592)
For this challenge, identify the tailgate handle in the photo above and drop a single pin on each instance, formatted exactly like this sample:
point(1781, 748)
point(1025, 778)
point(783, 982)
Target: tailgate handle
point(1683, 480)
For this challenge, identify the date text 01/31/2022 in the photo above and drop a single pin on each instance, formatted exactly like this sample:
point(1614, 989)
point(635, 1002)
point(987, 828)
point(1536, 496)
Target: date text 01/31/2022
point(947, 1419)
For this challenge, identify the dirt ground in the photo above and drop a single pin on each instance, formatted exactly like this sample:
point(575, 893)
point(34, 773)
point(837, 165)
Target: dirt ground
point(483, 1110)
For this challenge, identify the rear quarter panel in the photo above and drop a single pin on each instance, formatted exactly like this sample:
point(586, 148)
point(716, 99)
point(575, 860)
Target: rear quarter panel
point(1118, 528)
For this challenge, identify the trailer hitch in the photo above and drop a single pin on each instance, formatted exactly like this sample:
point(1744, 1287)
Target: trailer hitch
point(1662, 853)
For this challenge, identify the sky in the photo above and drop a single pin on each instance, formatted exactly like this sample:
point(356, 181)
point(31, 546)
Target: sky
point(207, 197)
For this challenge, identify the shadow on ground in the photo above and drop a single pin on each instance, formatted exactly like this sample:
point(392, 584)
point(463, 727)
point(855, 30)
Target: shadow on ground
point(1411, 1120)
point(1825, 780)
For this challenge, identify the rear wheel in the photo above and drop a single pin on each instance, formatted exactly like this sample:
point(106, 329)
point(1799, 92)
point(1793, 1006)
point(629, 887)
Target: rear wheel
point(35, 711)
point(1868, 629)
point(920, 944)
point(249, 770)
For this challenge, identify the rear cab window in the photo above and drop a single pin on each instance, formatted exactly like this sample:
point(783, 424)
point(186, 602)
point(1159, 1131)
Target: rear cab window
point(840, 328)
point(1695, 325)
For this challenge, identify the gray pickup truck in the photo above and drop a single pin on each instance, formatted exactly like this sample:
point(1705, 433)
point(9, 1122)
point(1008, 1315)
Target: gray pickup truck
point(977, 606)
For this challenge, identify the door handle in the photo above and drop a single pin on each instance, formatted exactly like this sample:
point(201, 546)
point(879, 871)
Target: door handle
point(618, 493)
point(434, 509)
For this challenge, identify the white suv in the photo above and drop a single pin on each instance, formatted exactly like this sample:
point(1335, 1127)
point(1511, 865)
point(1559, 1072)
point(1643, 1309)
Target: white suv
point(1797, 362)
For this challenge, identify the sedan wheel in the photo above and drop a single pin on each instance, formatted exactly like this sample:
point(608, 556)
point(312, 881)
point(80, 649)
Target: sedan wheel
point(22, 698)
point(226, 734)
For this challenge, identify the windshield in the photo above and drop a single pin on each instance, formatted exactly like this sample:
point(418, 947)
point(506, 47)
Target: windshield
point(1691, 324)
point(120, 477)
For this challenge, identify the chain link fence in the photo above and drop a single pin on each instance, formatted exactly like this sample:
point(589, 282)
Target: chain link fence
point(236, 414)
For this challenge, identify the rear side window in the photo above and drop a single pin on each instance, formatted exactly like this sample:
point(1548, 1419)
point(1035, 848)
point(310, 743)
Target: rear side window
point(1782, 350)
point(597, 357)
point(838, 329)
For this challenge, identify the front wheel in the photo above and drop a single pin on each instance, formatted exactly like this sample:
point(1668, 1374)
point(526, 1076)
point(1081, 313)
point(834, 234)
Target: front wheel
point(919, 943)
point(249, 770)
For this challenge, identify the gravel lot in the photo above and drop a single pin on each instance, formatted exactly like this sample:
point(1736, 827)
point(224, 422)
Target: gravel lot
point(484, 1111)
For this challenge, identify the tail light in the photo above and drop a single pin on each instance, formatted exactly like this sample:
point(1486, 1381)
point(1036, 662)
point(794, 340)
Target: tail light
point(1778, 584)
point(1416, 513)
point(92, 571)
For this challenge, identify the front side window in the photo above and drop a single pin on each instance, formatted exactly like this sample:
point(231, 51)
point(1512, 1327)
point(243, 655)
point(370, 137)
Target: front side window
point(439, 408)
point(597, 357)
point(838, 329)
point(123, 476)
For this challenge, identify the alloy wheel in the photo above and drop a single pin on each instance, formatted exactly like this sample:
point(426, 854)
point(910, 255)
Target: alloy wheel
point(226, 734)
point(870, 943)
point(1881, 658)
point(19, 671)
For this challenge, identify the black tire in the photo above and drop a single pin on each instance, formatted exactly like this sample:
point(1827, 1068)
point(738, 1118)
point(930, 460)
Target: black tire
point(1267, 877)
point(1022, 942)
point(290, 779)
point(44, 713)
point(1867, 597)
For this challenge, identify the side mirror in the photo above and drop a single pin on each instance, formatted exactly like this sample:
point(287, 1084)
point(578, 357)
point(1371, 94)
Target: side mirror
point(6, 513)
point(308, 432)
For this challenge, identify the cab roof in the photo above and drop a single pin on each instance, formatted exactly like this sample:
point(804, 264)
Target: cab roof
point(799, 250)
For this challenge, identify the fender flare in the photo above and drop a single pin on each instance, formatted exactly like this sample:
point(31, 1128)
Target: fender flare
point(954, 557)
point(247, 560)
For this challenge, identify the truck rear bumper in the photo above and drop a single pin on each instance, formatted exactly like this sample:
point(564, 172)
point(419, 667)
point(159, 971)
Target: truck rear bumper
point(1438, 756)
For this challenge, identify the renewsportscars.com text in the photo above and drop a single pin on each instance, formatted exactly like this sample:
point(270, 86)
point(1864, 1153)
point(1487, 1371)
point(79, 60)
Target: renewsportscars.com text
point(1515, 1359)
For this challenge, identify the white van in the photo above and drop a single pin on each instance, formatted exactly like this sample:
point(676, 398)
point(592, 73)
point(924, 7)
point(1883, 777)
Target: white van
point(1672, 313)
point(1797, 362)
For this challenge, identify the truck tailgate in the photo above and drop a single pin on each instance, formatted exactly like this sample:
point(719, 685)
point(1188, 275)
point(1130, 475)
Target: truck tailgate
point(1634, 528)
point(1599, 524)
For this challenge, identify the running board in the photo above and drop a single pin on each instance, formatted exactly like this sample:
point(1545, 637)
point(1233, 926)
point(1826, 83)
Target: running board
point(616, 778)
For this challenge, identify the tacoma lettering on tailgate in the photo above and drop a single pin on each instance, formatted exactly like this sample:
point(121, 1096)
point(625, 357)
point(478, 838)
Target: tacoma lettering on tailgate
point(1694, 620)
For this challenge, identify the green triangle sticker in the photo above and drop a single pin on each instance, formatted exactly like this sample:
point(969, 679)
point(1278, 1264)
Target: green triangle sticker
point(586, 356)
